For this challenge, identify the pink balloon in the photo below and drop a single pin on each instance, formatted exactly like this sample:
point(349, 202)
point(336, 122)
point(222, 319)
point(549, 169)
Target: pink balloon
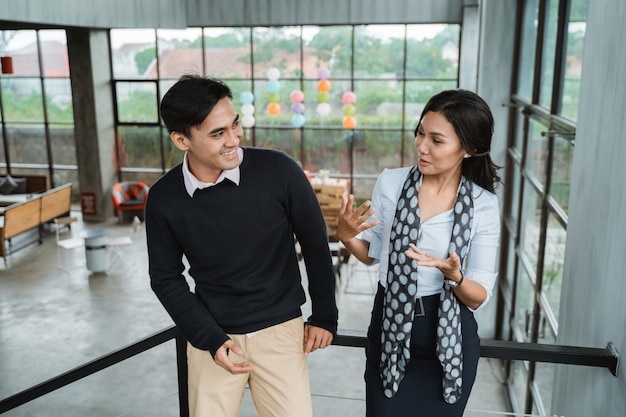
point(349, 97)
point(297, 96)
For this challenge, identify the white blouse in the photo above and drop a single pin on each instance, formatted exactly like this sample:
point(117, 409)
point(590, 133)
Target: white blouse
point(481, 261)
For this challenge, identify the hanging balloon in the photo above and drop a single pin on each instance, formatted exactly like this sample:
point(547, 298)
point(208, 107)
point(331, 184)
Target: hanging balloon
point(247, 109)
point(298, 108)
point(323, 86)
point(297, 96)
point(247, 121)
point(246, 97)
point(273, 86)
point(273, 73)
point(323, 109)
point(349, 97)
point(298, 120)
point(323, 97)
point(349, 110)
point(349, 122)
point(273, 98)
point(273, 108)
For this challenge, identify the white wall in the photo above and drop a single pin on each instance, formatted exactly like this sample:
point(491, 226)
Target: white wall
point(593, 306)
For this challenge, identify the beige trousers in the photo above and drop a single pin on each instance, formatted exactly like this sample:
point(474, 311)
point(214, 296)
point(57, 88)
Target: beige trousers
point(279, 382)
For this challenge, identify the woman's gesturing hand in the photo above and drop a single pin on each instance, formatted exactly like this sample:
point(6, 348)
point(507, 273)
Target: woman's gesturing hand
point(353, 221)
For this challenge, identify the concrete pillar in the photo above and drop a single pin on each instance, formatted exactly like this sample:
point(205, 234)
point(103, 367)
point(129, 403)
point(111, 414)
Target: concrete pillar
point(88, 51)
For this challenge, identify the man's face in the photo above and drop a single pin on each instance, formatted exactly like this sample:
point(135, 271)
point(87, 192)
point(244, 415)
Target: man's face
point(212, 146)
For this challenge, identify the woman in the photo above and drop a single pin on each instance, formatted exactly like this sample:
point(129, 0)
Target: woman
point(437, 261)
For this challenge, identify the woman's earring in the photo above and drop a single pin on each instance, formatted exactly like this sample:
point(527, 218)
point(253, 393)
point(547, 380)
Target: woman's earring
point(467, 155)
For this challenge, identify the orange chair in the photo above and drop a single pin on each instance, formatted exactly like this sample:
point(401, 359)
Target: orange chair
point(129, 199)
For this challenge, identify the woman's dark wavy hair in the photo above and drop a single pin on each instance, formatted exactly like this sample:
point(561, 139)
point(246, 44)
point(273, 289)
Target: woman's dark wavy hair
point(473, 122)
point(190, 100)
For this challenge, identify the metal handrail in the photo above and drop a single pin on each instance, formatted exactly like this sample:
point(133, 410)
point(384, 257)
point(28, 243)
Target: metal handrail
point(498, 349)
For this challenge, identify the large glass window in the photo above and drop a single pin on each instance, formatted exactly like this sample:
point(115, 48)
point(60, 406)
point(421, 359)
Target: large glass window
point(539, 161)
point(36, 113)
point(389, 71)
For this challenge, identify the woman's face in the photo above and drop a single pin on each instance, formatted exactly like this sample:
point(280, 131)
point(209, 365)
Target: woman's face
point(438, 147)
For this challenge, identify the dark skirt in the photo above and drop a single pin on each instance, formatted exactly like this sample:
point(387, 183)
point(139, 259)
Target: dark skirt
point(420, 392)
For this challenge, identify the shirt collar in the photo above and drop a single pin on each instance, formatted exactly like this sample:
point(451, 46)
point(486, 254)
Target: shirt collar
point(192, 183)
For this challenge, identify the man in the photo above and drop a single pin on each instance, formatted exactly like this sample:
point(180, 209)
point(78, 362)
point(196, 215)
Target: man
point(233, 212)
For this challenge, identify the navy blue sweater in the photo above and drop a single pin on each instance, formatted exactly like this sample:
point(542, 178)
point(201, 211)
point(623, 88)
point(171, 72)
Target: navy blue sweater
point(239, 243)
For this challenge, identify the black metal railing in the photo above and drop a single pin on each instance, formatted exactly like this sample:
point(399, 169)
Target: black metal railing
point(498, 349)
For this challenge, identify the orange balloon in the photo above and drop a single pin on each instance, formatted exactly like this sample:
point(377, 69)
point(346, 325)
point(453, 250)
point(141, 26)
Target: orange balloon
point(273, 109)
point(349, 122)
point(323, 86)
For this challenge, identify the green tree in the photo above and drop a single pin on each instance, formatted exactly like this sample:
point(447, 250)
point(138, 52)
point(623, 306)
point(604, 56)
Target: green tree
point(144, 58)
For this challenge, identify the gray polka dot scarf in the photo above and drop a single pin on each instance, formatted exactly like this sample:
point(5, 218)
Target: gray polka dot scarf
point(400, 295)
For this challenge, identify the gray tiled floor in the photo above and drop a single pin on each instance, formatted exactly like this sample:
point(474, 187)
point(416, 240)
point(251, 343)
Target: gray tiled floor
point(52, 321)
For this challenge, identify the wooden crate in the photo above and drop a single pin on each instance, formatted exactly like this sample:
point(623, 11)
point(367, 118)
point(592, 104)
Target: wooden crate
point(329, 192)
point(329, 195)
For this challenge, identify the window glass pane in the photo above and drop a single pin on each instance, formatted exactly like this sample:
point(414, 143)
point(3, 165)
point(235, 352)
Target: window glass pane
point(553, 263)
point(549, 53)
point(172, 156)
point(378, 103)
point(21, 99)
point(417, 94)
point(63, 176)
point(537, 152)
point(27, 144)
point(544, 375)
point(180, 52)
point(133, 51)
point(528, 39)
point(562, 171)
point(576, 29)
point(285, 140)
point(54, 53)
point(21, 45)
point(137, 102)
point(531, 216)
point(139, 146)
point(147, 177)
point(513, 184)
point(379, 51)
point(410, 151)
point(510, 264)
point(59, 100)
point(375, 150)
point(519, 131)
point(326, 149)
point(3, 156)
point(432, 51)
point(523, 305)
point(63, 144)
point(519, 378)
point(328, 48)
point(227, 52)
point(277, 47)
point(362, 189)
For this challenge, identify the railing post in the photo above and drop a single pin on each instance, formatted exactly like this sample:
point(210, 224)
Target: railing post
point(181, 365)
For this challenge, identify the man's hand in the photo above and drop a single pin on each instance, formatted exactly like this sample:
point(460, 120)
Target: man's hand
point(221, 358)
point(316, 338)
